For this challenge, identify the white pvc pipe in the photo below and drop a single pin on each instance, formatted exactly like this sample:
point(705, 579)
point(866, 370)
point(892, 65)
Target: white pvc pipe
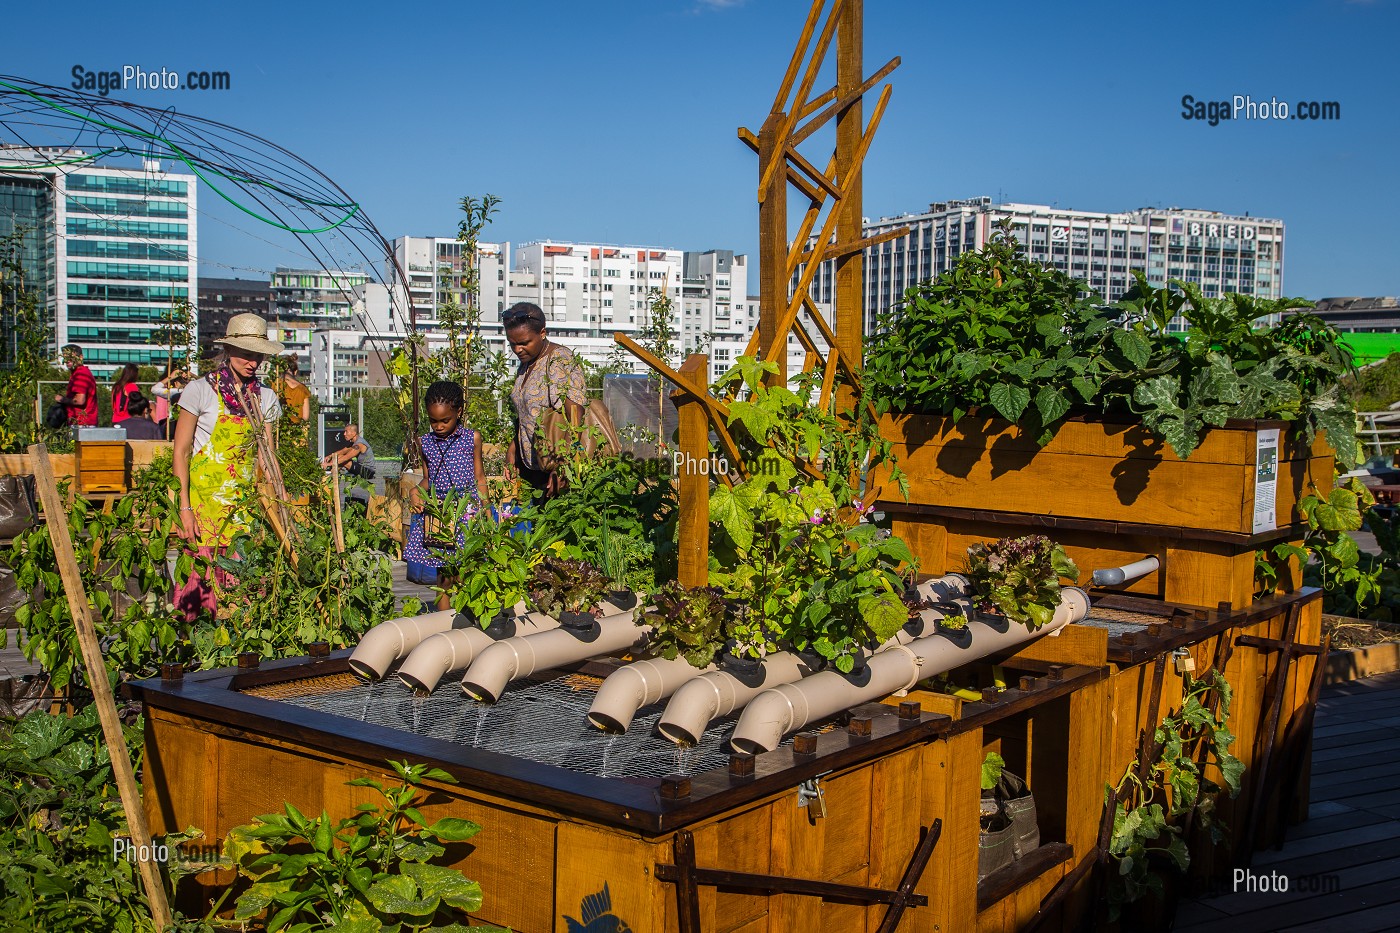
point(635, 685)
point(388, 641)
point(946, 588)
point(1113, 576)
point(521, 656)
point(718, 693)
point(776, 712)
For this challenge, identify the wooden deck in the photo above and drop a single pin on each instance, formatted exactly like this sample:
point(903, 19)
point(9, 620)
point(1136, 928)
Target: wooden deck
point(1342, 865)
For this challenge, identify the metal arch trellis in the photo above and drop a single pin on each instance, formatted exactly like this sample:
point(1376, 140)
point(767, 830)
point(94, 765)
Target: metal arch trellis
point(833, 197)
point(257, 177)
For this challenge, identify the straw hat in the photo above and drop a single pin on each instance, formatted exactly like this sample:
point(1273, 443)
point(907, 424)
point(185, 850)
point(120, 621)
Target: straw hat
point(249, 332)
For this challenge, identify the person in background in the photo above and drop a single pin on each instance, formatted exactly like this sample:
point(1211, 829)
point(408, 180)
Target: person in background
point(80, 397)
point(451, 462)
point(293, 393)
point(122, 389)
point(167, 392)
point(549, 378)
point(140, 427)
point(215, 460)
point(355, 458)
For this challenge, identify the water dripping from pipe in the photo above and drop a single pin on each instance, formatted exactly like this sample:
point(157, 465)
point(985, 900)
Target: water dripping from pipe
point(607, 753)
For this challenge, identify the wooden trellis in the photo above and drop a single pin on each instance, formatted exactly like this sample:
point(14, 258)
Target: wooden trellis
point(833, 209)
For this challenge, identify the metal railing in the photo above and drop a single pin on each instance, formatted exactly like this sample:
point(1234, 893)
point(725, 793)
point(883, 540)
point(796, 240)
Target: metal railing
point(1378, 431)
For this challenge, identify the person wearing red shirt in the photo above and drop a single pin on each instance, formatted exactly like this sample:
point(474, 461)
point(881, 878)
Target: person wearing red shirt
point(80, 398)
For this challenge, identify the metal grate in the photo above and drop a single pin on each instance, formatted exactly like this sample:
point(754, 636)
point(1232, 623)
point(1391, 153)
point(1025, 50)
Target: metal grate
point(1120, 621)
point(539, 720)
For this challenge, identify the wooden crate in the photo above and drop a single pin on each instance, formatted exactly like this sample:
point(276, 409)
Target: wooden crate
point(101, 466)
point(1100, 471)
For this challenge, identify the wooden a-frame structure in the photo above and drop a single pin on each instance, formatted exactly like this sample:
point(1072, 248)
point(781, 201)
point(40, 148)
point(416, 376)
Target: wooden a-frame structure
point(833, 197)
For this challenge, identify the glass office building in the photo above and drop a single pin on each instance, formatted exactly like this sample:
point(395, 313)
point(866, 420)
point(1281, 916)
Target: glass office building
point(120, 247)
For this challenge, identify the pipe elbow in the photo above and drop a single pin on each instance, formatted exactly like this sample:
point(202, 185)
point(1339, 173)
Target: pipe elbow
point(623, 692)
point(764, 722)
point(439, 655)
point(691, 710)
point(389, 641)
point(489, 673)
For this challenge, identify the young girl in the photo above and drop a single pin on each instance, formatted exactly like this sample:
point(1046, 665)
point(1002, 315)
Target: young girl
point(451, 462)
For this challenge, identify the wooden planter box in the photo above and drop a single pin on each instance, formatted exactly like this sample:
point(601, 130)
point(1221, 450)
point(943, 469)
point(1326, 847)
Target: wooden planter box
point(1110, 493)
point(1097, 470)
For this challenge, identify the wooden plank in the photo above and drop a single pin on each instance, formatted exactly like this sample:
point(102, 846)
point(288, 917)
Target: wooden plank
point(952, 788)
point(895, 811)
point(1075, 644)
point(693, 487)
point(96, 667)
point(589, 862)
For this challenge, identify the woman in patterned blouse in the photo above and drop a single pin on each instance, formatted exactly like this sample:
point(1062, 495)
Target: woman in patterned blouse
point(549, 379)
point(452, 462)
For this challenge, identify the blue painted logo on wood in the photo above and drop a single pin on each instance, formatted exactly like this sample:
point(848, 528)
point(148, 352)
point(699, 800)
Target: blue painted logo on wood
point(597, 916)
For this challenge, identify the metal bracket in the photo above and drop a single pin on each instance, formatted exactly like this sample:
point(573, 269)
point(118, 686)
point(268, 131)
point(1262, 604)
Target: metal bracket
point(811, 794)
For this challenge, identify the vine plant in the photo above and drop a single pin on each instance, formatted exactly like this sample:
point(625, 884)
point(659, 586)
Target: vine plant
point(1171, 785)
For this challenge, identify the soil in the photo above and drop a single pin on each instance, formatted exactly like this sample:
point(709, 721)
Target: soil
point(1358, 633)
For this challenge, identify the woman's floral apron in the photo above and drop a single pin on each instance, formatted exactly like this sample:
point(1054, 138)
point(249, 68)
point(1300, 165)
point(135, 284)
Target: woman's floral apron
point(220, 474)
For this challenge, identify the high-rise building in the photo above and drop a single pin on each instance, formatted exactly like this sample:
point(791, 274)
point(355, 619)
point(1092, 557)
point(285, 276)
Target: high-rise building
point(221, 299)
point(305, 300)
point(1219, 252)
point(714, 308)
point(433, 267)
point(120, 247)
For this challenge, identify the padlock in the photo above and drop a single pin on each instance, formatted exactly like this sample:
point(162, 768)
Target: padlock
point(1185, 664)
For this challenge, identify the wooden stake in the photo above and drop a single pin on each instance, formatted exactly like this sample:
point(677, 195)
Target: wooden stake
point(56, 518)
point(335, 506)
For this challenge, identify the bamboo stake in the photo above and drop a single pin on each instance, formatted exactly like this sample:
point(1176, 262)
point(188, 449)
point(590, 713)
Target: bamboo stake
point(335, 506)
point(56, 517)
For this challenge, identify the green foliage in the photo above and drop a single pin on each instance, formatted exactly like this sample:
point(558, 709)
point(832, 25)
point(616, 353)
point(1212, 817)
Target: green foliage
point(566, 584)
point(365, 873)
point(121, 558)
point(992, 767)
point(1146, 811)
point(1353, 584)
point(1003, 334)
point(688, 623)
point(1375, 387)
point(794, 554)
point(488, 569)
point(59, 815)
point(1020, 577)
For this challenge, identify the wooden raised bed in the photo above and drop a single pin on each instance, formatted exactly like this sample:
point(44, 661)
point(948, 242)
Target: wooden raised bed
point(217, 757)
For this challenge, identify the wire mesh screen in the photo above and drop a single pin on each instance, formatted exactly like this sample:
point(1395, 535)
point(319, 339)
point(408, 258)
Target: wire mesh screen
point(540, 720)
point(1120, 621)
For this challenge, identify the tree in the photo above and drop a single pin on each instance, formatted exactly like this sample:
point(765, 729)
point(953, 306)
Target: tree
point(659, 336)
point(24, 354)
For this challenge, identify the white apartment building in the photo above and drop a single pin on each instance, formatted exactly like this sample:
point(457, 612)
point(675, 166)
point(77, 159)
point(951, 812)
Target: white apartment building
point(116, 247)
point(1222, 253)
point(306, 300)
point(432, 267)
point(352, 353)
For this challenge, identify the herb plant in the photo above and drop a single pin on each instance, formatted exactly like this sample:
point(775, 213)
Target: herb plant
point(1173, 786)
point(688, 623)
point(490, 567)
point(366, 873)
point(1020, 577)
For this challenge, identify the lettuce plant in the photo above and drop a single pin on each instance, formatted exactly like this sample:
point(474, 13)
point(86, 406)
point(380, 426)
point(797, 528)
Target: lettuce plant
point(1019, 577)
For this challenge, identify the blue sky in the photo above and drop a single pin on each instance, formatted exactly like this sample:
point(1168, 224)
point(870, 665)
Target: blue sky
point(614, 121)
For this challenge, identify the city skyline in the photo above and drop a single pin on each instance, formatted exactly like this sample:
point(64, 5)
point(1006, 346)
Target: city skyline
point(618, 127)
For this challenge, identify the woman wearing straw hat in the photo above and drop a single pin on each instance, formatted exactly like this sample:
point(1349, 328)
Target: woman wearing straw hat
point(215, 457)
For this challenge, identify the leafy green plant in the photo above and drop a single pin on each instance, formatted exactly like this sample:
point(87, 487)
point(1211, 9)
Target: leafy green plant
point(567, 585)
point(792, 551)
point(490, 568)
point(59, 817)
point(1020, 577)
point(1353, 583)
point(992, 766)
point(1173, 784)
point(364, 873)
point(121, 559)
point(688, 623)
point(1001, 333)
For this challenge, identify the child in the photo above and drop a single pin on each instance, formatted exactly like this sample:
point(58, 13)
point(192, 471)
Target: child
point(451, 462)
